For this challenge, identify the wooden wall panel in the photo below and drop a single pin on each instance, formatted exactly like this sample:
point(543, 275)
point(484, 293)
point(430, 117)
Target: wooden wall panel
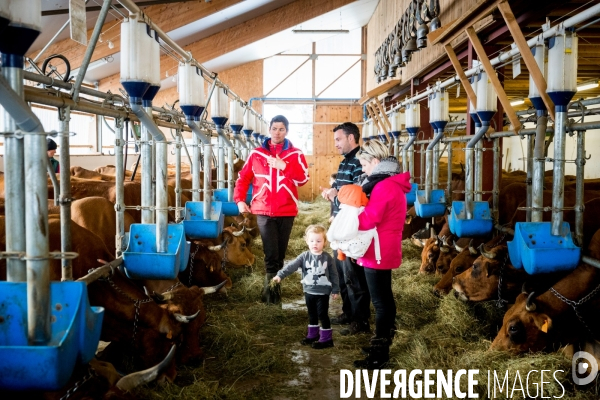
point(387, 14)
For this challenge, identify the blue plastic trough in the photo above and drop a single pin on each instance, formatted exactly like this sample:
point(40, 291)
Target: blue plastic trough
point(197, 227)
point(142, 261)
point(75, 331)
point(435, 208)
point(412, 195)
point(481, 224)
point(228, 207)
point(538, 251)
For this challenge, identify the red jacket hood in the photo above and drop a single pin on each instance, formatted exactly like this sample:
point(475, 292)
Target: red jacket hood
point(403, 180)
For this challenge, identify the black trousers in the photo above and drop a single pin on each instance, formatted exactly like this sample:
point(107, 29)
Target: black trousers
point(346, 304)
point(275, 233)
point(358, 292)
point(380, 287)
point(318, 307)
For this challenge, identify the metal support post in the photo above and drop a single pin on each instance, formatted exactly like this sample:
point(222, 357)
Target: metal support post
point(119, 188)
point(64, 115)
point(579, 207)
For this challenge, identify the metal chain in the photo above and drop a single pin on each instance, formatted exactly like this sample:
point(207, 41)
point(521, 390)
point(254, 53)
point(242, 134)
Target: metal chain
point(192, 263)
point(224, 259)
point(90, 374)
point(500, 303)
point(575, 304)
point(173, 286)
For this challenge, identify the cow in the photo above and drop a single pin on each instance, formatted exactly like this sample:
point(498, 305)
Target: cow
point(535, 323)
point(80, 172)
point(464, 260)
point(447, 253)
point(429, 255)
point(247, 223)
point(209, 258)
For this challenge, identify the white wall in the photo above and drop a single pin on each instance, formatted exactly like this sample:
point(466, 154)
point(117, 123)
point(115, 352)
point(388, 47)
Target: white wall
point(515, 150)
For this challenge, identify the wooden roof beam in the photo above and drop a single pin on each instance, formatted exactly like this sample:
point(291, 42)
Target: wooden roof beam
point(534, 69)
point(384, 115)
point(167, 16)
point(461, 74)
point(241, 35)
point(491, 72)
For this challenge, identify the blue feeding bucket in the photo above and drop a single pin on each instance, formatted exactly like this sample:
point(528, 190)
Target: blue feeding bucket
point(75, 331)
point(435, 208)
point(228, 207)
point(197, 227)
point(535, 249)
point(141, 259)
point(412, 195)
point(481, 224)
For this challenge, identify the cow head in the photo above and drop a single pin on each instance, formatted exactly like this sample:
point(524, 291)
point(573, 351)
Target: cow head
point(429, 255)
point(480, 282)
point(524, 328)
point(447, 254)
point(233, 248)
point(463, 261)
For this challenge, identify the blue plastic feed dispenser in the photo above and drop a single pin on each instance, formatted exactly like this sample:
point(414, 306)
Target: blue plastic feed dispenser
point(75, 332)
point(535, 249)
point(412, 195)
point(141, 259)
point(197, 227)
point(435, 208)
point(480, 225)
point(228, 207)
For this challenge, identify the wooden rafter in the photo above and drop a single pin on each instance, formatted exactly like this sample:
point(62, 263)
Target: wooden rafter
point(491, 72)
point(375, 116)
point(384, 115)
point(521, 42)
point(246, 33)
point(461, 74)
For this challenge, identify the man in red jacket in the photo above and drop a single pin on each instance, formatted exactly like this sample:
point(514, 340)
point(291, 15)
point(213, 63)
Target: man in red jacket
point(275, 170)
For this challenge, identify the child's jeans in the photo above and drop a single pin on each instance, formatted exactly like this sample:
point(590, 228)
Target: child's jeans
point(318, 309)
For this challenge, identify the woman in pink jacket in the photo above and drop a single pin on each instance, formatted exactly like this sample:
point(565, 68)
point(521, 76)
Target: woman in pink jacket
point(386, 188)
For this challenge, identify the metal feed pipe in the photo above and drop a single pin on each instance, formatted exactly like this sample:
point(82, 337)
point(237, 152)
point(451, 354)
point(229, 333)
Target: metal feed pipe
point(469, 173)
point(200, 136)
point(119, 188)
point(64, 199)
point(226, 143)
point(161, 144)
point(539, 167)
point(405, 161)
point(439, 134)
point(36, 214)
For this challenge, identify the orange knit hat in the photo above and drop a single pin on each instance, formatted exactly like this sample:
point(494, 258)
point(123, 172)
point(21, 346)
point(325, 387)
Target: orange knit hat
point(352, 195)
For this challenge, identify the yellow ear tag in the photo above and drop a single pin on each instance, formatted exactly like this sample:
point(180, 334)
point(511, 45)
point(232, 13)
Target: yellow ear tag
point(545, 326)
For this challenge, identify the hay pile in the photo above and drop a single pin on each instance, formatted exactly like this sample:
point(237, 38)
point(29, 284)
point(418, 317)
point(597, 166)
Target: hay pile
point(253, 351)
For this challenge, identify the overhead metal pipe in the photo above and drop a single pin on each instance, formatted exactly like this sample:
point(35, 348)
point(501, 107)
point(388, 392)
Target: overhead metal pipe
point(64, 199)
point(90, 48)
point(161, 144)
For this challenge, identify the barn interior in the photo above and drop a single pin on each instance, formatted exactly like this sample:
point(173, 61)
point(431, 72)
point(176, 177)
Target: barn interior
point(155, 106)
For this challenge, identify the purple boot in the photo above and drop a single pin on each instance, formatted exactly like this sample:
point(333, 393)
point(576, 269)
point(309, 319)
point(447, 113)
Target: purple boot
point(312, 335)
point(325, 340)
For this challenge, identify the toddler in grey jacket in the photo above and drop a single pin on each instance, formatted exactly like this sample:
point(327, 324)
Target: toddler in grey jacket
point(319, 280)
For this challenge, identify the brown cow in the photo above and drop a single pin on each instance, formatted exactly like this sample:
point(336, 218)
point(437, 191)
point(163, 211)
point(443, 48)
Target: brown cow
point(429, 255)
point(209, 256)
point(80, 172)
point(464, 259)
point(447, 253)
point(534, 323)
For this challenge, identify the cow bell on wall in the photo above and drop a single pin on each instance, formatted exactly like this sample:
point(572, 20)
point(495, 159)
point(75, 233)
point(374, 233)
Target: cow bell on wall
point(422, 31)
point(435, 24)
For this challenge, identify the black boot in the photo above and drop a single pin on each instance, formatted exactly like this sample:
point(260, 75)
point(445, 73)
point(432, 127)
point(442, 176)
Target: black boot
point(271, 293)
point(379, 355)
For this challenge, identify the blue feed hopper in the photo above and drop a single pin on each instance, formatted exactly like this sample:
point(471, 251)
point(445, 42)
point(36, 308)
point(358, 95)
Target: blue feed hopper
point(435, 208)
point(538, 251)
point(481, 224)
point(412, 195)
point(228, 207)
point(197, 227)
point(75, 331)
point(142, 261)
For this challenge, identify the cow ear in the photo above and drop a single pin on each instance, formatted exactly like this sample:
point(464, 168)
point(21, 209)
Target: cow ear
point(227, 236)
point(543, 322)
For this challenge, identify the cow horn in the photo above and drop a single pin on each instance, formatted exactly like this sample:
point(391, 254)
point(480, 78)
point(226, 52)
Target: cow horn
point(529, 304)
point(239, 233)
point(131, 381)
point(486, 254)
point(458, 248)
point(185, 318)
point(445, 249)
point(249, 229)
point(437, 241)
point(213, 289)
point(472, 249)
point(218, 247)
point(524, 288)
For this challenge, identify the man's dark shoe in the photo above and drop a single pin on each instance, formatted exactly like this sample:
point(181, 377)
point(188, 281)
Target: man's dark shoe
point(356, 328)
point(341, 319)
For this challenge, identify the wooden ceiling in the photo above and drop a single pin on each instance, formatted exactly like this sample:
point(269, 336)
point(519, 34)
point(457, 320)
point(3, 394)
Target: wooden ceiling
point(496, 38)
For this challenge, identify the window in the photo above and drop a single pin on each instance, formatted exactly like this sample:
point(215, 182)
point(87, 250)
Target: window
point(301, 117)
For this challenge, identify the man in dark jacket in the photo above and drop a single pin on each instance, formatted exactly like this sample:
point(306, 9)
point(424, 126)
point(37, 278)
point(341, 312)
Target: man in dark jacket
point(353, 287)
point(51, 152)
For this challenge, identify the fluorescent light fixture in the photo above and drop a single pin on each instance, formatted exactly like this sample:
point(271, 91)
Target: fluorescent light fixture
point(587, 85)
point(517, 102)
point(320, 31)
